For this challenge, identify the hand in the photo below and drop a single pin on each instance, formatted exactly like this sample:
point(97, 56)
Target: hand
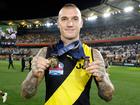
point(39, 65)
point(97, 69)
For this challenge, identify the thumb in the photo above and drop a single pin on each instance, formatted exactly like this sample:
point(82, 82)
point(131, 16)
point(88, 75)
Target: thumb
point(42, 52)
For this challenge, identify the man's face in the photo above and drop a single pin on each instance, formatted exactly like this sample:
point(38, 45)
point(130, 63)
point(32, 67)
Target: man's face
point(70, 23)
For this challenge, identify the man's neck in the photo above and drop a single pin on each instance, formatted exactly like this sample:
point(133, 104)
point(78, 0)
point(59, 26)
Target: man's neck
point(68, 41)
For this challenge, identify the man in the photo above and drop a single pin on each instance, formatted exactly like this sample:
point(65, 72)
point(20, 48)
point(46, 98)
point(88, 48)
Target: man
point(10, 59)
point(3, 95)
point(22, 63)
point(30, 62)
point(67, 75)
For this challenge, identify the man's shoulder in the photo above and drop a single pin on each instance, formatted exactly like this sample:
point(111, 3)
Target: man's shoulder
point(94, 49)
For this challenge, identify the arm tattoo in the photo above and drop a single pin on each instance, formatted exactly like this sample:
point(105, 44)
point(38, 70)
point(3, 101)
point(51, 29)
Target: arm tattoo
point(105, 89)
point(29, 87)
point(30, 84)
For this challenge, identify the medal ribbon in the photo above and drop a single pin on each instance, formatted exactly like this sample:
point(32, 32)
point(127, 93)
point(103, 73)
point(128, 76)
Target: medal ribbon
point(74, 49)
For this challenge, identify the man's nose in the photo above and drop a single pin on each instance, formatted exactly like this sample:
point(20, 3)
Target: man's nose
point(69, 23)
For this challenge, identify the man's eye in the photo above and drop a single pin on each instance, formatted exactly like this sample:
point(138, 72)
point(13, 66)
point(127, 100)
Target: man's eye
point(75, 18)
point(63, 19)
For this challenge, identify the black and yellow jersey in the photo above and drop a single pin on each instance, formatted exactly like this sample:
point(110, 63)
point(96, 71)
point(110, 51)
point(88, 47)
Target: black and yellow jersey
point(70, 74)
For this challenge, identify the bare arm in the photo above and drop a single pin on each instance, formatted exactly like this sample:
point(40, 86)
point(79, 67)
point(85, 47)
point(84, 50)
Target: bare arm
point(103, 82)
point(29, 86)
point(105, 88)
point(36, 75)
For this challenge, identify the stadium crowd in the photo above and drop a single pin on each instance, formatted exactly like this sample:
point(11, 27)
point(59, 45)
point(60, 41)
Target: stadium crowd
point(122, 54)
point(87, 34)
point(110, 31)
point(36, 38)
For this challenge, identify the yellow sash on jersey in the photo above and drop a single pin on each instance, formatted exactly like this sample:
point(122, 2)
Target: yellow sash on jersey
point(72, 87)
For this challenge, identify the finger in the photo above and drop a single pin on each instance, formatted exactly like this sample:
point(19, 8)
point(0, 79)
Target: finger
point(36, 66)
point(42, 67)
point(95, 63)
point(42, 52)
point(96, 73)
point(98, 65)
point(45, 63)
point(92, 71)
point(92, 67)
point(42, 61)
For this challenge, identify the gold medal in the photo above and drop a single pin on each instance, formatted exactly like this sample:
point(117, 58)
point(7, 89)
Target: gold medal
point(86, 62)
point(54, 61)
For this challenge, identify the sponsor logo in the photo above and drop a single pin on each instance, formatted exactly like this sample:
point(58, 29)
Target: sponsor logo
point(57, 70)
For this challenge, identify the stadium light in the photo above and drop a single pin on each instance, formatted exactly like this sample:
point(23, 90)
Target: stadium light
point(106, 15)
point(23, 23)
point(36, 22)
point(10, 23)
point(91, 18)
point(119, 11)
point(48, 24)
point(128, 9)
point(55, 23)
point(29, 26)
point(115, 12)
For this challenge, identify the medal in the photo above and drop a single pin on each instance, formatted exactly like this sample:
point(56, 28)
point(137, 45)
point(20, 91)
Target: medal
point(86, 62)
point(53, 61)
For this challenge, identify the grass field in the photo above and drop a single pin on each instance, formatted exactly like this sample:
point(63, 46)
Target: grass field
point(125, 79)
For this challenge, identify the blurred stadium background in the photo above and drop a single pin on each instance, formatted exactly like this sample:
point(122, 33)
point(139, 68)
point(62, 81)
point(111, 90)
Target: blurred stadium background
point(112, 26)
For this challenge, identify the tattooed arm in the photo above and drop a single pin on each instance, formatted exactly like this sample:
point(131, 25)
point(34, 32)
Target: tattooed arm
point(36, 75)
point(103, 82)
point(29, 86)
point(105, 88)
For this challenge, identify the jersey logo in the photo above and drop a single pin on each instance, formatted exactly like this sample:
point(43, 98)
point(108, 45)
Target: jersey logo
point(57, 70)
point(80, 66)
